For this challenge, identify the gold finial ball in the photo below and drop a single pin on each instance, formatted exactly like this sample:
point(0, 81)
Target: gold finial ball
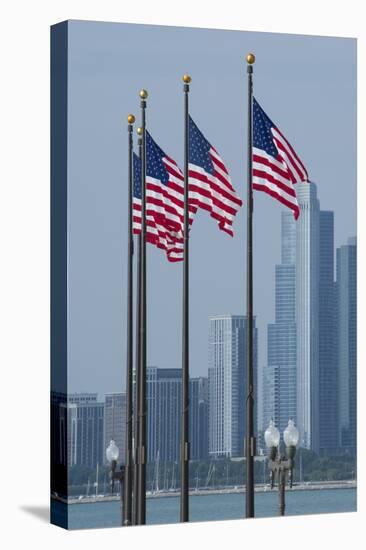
point(130, 119)
point(139, 131)
point(143, 94)
point(250, 58)
point(186, 78)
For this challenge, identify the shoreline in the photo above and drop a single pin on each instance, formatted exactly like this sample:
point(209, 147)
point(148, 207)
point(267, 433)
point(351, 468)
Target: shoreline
point(260, 488)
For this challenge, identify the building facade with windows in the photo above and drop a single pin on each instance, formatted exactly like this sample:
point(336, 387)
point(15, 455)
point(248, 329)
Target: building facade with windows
point(346, 290)
point(164, 388)
point(115, 423)
point(89, 428)
point(198, 418)
point(280, 373)
point(307, 315)
point(227, 384)
point(328, 379)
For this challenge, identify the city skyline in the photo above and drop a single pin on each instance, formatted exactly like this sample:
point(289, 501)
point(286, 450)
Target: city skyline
point(307, 373)
point(310, 266)
point(84, 425)
point(286, 258)
point(261, 330)
point(305, 99)
point(282, 393)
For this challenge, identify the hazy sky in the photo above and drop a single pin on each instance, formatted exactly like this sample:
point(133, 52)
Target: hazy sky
point(307, 86)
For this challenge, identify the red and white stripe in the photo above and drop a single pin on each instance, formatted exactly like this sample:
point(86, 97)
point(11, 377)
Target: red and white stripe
point(214, 192)
point(277, 176)
point(164, 212)
point(157, 234)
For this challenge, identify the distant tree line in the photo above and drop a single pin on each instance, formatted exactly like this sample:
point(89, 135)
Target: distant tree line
point(218, 473)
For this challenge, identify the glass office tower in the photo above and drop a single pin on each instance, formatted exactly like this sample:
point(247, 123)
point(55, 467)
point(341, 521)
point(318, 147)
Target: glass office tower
point(227, 384)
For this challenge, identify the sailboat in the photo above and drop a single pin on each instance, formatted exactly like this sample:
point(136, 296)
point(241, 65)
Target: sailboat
point(165, 487)
point(301, 476)
point(172, 486)
point(210, 472)
point(197, 480)
point(96, 481)
point(155, 481)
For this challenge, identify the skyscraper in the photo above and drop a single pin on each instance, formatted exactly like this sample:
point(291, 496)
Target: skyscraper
point(346, 286)
point(88, 414)
point(227, 384)
point(115, 422)
point(307, 315)
point(328, 379)
point(301, 350)
point(270, 400)
point(164, 387)
point(164, 397)
point(280, 379)
point(198, 418)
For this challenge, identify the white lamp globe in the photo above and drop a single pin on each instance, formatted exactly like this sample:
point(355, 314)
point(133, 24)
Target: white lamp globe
point(291, 434)
point(112, 452)
point(272, 435)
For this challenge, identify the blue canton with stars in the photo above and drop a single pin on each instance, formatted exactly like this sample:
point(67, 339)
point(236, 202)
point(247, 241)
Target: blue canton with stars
point(136, 176)
point(155, 167)
point(199, 149)
point(262, 135)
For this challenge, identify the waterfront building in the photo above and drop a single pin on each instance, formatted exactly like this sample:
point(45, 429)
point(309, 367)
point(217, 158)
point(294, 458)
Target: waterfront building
point(328, 379)
point(115, 423)
point(280, 373)
point(281, 339)
point(307, 315)
point(227, 384)
point(164, 398)
point(88, 415)
point(198, 418)
point(164, 388)
point(270, 401)
point(82, 398)
point(301, 350)
point(346, 289)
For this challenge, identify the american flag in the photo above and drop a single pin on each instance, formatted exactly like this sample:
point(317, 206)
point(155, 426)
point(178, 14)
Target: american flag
point(164, 201)
point(276, 166)
point(210, 186)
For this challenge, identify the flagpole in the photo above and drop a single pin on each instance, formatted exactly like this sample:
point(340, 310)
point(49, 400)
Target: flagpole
point(250, 439)
point(138, 361)
point(127, 495)
point(141, 511)
point(184, 447)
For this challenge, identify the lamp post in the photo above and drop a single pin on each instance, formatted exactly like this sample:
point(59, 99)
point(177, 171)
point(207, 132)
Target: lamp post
point(280, 465)
point(112, 454)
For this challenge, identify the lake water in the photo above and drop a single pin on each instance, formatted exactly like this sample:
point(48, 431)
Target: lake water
point(215, 507)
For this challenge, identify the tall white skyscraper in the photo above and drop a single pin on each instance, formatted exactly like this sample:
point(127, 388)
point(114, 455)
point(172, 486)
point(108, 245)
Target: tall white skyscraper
point(301, 350)
point(307, 315)
point(227, 386)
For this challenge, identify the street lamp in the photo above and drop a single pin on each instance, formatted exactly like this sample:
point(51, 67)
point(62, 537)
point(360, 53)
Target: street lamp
point(112, 454)
point(280, 465)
